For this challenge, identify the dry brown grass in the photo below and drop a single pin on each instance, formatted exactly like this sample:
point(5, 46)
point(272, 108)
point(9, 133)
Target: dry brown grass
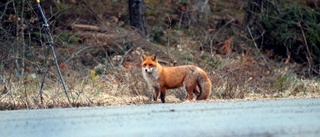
point(234, 76)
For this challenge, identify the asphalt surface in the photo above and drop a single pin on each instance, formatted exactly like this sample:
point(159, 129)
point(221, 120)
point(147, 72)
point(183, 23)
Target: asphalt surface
point(272, 118)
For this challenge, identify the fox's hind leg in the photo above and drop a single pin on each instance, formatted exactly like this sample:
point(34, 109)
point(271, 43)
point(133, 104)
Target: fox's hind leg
point(191, 89)
point(190, 93)
point(191, 86)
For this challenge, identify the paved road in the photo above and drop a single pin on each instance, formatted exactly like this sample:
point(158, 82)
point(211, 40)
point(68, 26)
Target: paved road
point(291, 118)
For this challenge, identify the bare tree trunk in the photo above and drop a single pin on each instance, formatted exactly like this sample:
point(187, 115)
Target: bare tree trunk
point(137, 13)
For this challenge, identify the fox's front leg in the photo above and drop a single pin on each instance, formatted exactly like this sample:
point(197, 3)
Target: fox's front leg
point(163, 95)
point(157, 93)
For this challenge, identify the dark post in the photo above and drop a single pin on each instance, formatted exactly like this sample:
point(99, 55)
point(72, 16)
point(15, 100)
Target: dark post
point(137, 11)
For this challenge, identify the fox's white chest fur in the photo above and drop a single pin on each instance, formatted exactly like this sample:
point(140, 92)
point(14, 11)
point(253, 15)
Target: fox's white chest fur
point(152, 77)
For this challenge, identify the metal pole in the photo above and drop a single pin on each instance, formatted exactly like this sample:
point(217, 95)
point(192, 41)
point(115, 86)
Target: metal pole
point(51, 43)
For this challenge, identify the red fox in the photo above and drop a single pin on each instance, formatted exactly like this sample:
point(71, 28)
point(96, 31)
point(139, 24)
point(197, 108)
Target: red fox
point(194, 79)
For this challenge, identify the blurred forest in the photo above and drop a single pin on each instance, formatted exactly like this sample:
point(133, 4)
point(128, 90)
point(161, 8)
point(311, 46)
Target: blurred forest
point(251, 49)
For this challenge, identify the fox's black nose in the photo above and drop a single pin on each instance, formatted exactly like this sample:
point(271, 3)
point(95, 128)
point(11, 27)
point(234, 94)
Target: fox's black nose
point(145, 70)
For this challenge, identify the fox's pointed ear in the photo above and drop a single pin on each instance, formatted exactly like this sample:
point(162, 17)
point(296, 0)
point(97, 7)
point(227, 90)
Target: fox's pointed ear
point(143, 57)
point(154, 57)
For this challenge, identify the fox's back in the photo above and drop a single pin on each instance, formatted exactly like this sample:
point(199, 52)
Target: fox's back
point(174, 77)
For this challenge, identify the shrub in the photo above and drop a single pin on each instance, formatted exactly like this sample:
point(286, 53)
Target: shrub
point(292, 31)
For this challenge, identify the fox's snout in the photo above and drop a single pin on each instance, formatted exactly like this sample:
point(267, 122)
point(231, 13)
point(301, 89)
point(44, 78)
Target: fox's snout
point(150, 70)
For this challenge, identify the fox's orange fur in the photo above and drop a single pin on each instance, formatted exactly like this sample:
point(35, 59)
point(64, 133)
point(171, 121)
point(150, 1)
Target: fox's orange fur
point(194, 79)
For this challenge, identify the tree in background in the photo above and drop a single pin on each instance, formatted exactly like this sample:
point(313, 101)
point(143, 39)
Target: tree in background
point(137, 11)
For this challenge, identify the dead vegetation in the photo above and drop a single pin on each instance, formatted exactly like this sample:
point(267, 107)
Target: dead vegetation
point(99, 55)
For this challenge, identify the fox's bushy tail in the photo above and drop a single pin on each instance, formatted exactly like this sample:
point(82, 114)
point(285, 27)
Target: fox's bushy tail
point(204, 84)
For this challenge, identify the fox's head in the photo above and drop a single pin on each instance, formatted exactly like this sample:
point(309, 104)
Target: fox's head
point(149, 63)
